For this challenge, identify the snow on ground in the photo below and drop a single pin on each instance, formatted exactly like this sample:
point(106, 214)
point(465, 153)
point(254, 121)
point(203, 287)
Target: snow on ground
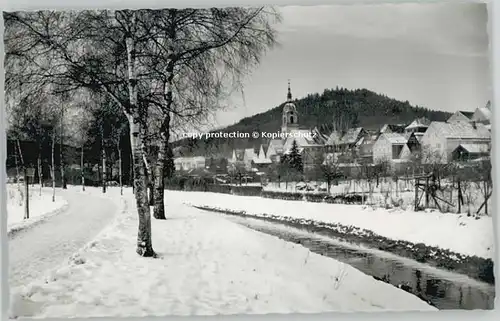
point(41, 206)
point(207, 265)
point(45, 246)
point(458, 233)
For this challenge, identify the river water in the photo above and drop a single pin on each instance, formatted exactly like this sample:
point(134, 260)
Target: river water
point(440, 288)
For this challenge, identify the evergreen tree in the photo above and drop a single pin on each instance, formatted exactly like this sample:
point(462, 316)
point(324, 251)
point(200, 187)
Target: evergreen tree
point(295, 158)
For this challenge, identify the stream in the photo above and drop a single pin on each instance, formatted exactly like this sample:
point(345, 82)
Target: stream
point(440, 288)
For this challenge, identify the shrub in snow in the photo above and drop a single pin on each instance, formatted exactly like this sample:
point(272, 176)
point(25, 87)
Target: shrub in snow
point(246, 190)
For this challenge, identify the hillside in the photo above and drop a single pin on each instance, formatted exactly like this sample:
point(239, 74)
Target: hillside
point(339, 108)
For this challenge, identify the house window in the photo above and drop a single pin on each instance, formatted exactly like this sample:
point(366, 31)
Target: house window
point(396, 151)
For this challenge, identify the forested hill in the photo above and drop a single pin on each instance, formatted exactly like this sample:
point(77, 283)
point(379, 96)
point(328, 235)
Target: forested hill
point(334, 107)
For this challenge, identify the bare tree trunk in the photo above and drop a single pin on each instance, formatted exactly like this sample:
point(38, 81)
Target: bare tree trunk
point(53, 170)
point(40, 173)
point(18, 174)
point(61, 152)
point(120, 167)
point(486, 196)
point(144, 241)
point(26, 196)
point(131, 173)
point(151, 183)
point(159, 203)
point(103, 153)
point(21, 157)
point(99, 171)
point(82, 164)
point(26, 182)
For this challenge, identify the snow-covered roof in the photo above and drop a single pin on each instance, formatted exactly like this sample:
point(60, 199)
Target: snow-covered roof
point(462, 130)
point(351, 136)
point(418, 123)
point(395, 138)
point(250, 153)
point(400, 160)
point(258, 160)
point(319, 137)
point(482, 114)
point(481, 159)
point(275, 145)
point(303, 137)
point(393, 128)
point(475, 148)
point(333, 139)
point(189, 159)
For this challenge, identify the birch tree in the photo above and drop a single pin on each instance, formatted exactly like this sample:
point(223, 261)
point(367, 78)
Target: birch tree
point(177, 61)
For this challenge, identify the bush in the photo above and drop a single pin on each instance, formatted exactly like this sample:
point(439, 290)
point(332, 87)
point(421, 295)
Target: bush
point(216, 188)
point(289, 196)
point(317, 198)
point(246, 190)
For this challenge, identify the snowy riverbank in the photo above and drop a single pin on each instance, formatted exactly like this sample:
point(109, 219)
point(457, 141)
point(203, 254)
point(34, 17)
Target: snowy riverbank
point(207, 265)
point(430, 228)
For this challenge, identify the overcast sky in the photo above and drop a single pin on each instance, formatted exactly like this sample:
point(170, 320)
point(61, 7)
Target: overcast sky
point(433, 55)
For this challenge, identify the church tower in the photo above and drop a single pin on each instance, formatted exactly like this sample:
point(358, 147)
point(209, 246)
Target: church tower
point(290, 118)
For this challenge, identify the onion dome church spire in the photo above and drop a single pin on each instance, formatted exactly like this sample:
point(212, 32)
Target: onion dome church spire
point(289, 95)
point(290, 116)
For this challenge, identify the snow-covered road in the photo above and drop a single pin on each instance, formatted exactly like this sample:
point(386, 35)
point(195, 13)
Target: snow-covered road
point(35, 251)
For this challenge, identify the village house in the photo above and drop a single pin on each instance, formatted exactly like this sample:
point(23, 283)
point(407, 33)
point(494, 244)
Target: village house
point(460, 116)
point(418, 127)
point(275, 150)
point(468, 152)
point(260, 161)
point(482, 115)
point(395, 150)
point(389, 147)
point(392, 128)
point(366, 149)
point(442, 139)
point(189, 163)
point(242, 158)
point(348, 141)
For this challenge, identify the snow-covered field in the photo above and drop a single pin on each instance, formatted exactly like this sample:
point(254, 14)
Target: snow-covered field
point(458, 233)
point(41, 206)
point(207, 265)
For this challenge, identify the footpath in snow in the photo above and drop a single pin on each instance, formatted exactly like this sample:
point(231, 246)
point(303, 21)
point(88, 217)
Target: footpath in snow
point(47, 245)
point(41, 206)
point(457, 233)
point(207, 265)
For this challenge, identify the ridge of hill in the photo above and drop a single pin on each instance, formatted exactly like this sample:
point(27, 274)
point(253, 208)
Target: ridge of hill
point(338, 108)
